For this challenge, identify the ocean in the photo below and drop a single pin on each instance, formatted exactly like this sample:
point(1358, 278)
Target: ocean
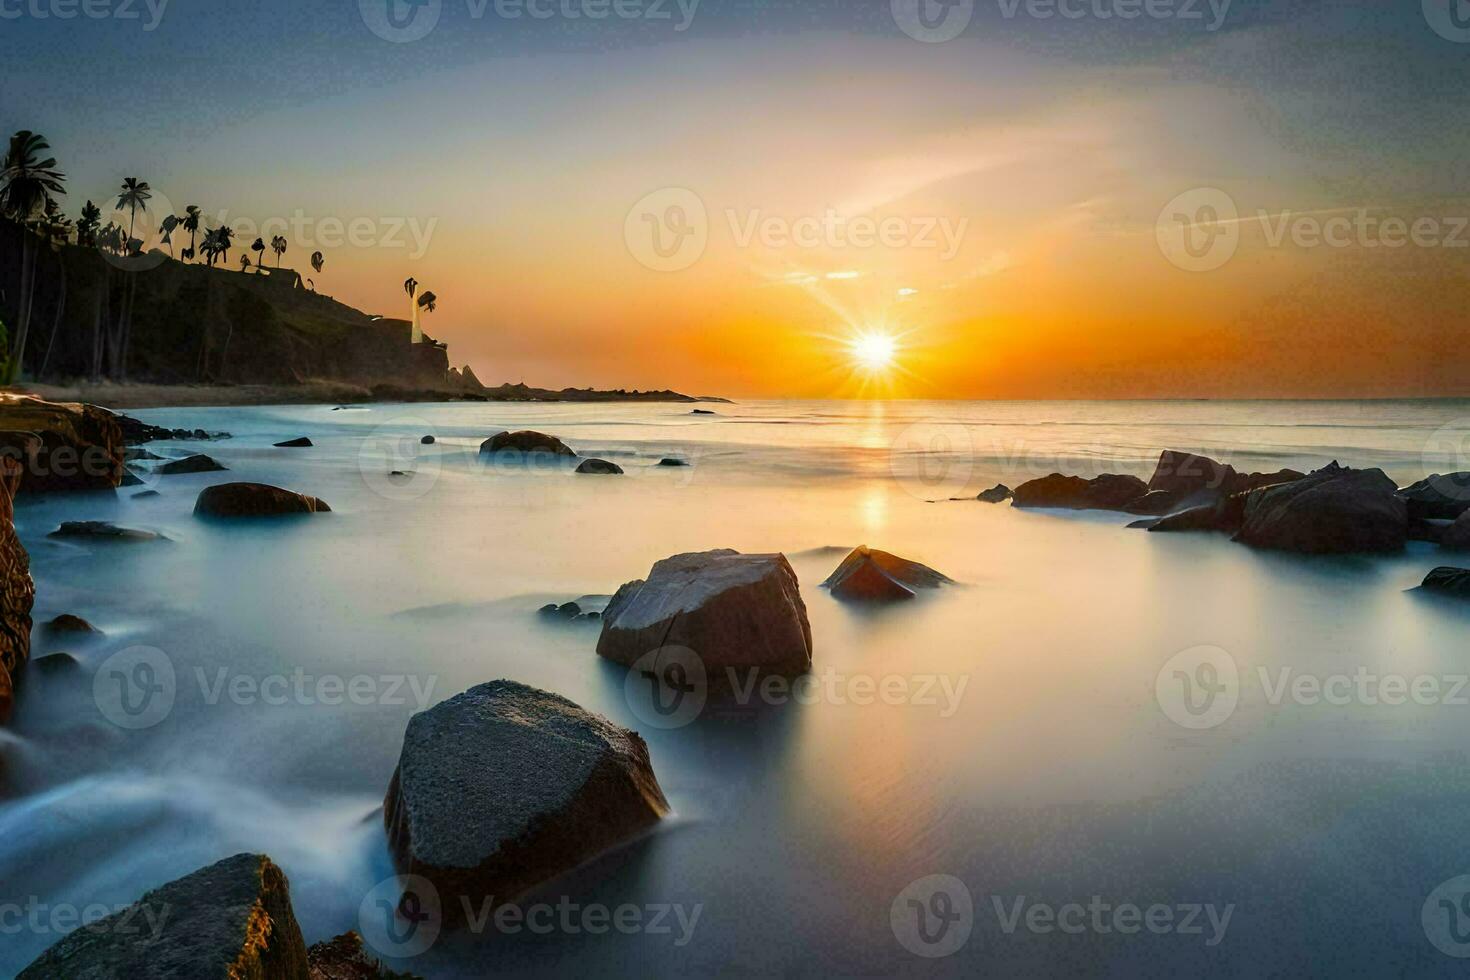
point(1023, 734)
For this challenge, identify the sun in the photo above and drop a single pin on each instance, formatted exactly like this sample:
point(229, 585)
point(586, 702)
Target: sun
point(873, 351)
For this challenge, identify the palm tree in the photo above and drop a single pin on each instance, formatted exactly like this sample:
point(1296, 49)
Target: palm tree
point(259, 246)
point(191, 225)
point(429, 302)
point(224, 237)
point(27, 186)
point(317, 261)
point(244, 262)
point(170, 222)
point(279, 245)
point(111, 238)
point(135, 194)
point(87, 226)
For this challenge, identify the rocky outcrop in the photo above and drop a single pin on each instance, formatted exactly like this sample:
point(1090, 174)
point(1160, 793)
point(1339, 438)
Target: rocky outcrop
point(868, 575)
point(343, 958)
point(1456, 536)
point(525, 443)
point(1443, 496)
point(67, 623)
point(505, 786)
point(1184, 473)
point(1110, 491)
point(301, 443)
point(1334, 510)
point(17, 591)
point(735, 611)
point(600, 467)
point(1448, 580)
point(229, 921)
point(61, 445)
point(255, 500)
point(136, 432)
point(104, 531)
point(997, 494)
point(198, 463)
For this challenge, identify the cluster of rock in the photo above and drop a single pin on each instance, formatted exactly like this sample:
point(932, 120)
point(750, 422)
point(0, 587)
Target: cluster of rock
point(136, 432)
point(17, 591)
point(61, 445)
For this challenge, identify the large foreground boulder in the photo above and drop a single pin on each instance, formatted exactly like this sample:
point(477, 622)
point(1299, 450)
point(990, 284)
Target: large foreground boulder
point(525, 443)
point(229, 921)
point(1443, 496)
point(17, 591)
point(505, 786)
point(1334, 510)
point(867, 575)
point(61, 445)
point(255, 500)
point(1110, 491)
point(735, 611)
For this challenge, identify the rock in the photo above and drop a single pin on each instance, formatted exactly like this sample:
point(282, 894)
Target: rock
point(506, 786)
point(1180, 472)
point(61, 445)
point(567, 610)
point(1441, 496)
point(343, 958)
point(17, 590)
point(703, 411)
point(67, 623)
point(1447, 580)
point(145, 493)
point(1457, 535)
point(1432, 531)
point(55, 663)
point(427, 441)
point(1107, 492)
point(229, 921)
point(254, 500)
point(997, 494)
point(1255, 481)
point(190, 464)
point(301, 443)
point(525, 443)
point(868, 575)
point(1222, 514)
point(550, 609)
point(104, 531)
point(1334, 510)
point(130, 479)
point(600, 467)
point(1147, 524)
point(735, 611)
point(671, 461)
point(135, 432)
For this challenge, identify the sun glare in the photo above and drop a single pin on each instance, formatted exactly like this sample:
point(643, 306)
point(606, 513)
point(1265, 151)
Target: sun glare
point(874, 351)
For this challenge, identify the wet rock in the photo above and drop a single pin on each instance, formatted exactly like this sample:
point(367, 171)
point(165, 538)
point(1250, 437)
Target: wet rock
point(1448, 580)
point(55, 663)
point(672, 461)
point(104, 531)
point(135, 432)
point(255, 500)
point(343, 958)
point(1221, 514)
point(1110, 491)
point(1443, 496)
point(703, 411)
point(1455, 536)
point(735, 611)
point(301, 443)
point(525, 443)
point(17, 590)
point(228, 921)
point(997, 494)
point(868, 575)
point(506, 786)
point(1335, 510)
point(600, 467)
point(427, 441)
point(1431, 531)
point(61, 445)
point(1186, 473)
point(67, 623)
point(141, 494)
point(1145, 524)
point(191, 464)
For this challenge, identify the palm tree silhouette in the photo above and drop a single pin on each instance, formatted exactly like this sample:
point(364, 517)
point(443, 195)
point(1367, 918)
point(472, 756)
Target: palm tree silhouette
point(191, 225)
point(259, 246)
point(27, 184)
point(429, 302)
point(87, 226)
point(244, 262)
point(317, 261)
point(170, 222)
point(135, 194)
point(278, 245)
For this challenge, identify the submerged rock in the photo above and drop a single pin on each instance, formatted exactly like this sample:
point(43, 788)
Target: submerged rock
point(17, 590)
point(997, 494)
point(55, 663)
point(525, 443)
point(301, 443)
point(600, 467)
point(703, 411)
point(1448, 580)
point(672, 461)
point(1443, 496)
point(735, 611)
point(427, 441)
point(1110, 491)
point(61, 445)
point(104, 531)
point(142, 494)
point(255, 500)
point(229, 921)
point(505, 786)
point(67, 623)
point(868, 575)
point(198, 463)
point(1334, 510)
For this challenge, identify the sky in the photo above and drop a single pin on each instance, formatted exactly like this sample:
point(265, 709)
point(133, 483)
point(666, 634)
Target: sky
point(1034, 199)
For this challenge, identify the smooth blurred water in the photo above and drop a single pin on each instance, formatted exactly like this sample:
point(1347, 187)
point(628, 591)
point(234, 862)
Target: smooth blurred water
point(1054, 774)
